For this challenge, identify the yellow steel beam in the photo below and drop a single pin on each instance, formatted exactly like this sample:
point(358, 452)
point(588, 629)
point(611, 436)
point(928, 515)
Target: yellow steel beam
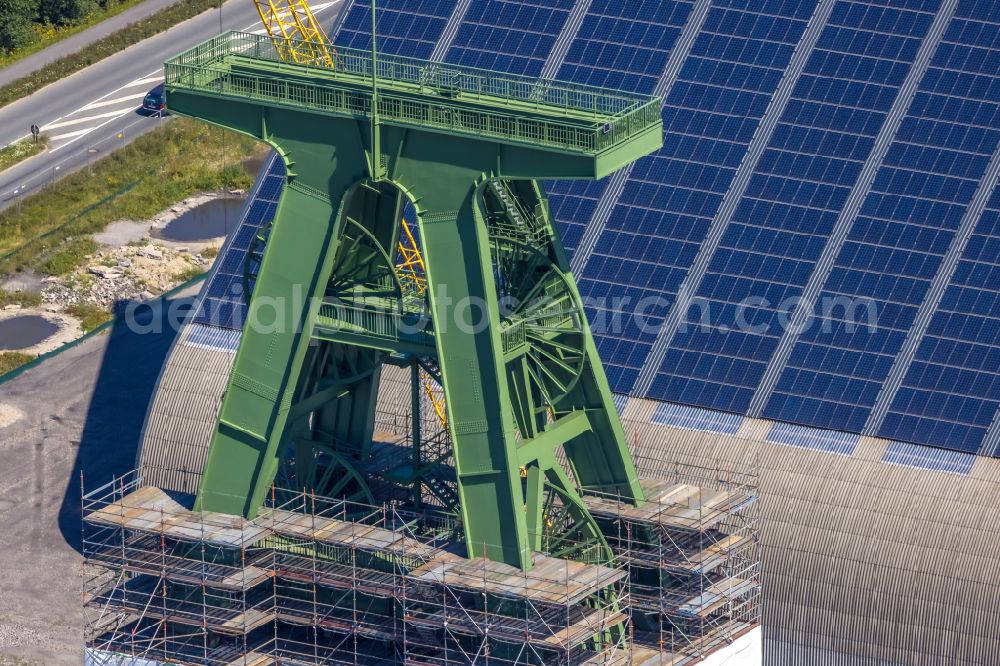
point(296, 33)
point(413, 274)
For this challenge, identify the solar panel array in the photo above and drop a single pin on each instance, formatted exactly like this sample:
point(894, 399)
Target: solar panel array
point(843, 154)
point(840, 153)
point(410, 30)
point(223, 302)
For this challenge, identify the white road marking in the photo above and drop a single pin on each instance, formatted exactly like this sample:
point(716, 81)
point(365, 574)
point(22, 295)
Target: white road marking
point(109, 102)
point(148, 81)
point(83, 133)
point(68, 135)
point(144, 82)
point(104, 100)
point(85, 119)
point(316, 9)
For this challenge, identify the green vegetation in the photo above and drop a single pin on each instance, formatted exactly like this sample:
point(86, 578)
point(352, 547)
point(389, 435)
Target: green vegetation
point(209, 253)
point(91, 316)
point(16, 28)
point(10, 361)
point(113, 43)
point(28, 26)
point(68, 255)
point(13, 153)
point(48, 230)
point(27, 299)
point(190, 273)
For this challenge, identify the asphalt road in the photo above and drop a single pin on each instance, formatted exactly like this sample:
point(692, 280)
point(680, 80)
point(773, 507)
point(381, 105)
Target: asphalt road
point(95, 110)
point(73, 44)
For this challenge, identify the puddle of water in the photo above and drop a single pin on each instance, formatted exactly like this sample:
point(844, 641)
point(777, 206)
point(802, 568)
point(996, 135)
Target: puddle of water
point(26, 331)
point(212, 219)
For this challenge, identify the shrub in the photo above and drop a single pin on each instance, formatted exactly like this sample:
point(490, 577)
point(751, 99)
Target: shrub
point(91, 316)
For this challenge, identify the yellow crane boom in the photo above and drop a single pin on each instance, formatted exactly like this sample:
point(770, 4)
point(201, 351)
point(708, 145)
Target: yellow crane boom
point(299, 37)
point(296, 33)
point(413, 274)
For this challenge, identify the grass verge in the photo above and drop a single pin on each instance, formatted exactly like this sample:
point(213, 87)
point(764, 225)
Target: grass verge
point(15, 152)
point(47, 230)
point(9, 361)
point(47, 35)
point(190, 273)
point(26, 299)
point(113, 43)
point(91, 316)
point(69, 254)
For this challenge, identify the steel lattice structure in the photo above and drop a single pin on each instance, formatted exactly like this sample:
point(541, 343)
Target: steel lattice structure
point(509, 527)
point(465, 147)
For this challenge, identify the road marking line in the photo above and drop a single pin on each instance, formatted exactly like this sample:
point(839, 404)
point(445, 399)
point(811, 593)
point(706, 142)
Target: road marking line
point(97, 127)
point(77, 121)
point(102, 98)
point(69, 135)
point(143, 82)
point(109, 102)
point(155, 76)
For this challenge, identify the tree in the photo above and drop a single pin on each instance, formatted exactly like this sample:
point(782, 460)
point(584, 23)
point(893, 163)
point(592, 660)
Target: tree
point(16, 18)
point(62, 12)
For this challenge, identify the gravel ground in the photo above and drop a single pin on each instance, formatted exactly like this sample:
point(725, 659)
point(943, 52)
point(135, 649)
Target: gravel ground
point(79, 413)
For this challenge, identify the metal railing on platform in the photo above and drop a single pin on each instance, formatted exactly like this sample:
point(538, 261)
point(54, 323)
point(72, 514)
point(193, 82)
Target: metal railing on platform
point(468, 100)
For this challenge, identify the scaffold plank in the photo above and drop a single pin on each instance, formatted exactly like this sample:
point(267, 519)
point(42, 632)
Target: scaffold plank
point(347, 534)
point(716, 596)
point(252, 659)
point(151, 510)
point(550, 580)
point(634, 656)
point(585, 628)
point(672, 506)
point(146, 554)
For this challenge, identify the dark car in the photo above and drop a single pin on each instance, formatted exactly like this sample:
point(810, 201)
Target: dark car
point(155, 101)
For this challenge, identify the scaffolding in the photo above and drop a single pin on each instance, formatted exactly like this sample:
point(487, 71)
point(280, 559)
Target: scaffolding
point(316, 580)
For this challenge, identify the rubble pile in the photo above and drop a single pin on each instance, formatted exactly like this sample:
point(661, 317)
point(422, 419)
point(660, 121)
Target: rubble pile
point(137, 271)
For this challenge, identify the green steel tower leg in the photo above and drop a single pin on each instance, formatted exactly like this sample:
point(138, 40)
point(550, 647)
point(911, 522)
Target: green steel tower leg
point(243, 457)
point(505, 325)
point(463, 307)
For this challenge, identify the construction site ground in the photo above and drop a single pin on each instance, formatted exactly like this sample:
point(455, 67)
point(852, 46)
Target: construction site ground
point(78, 412)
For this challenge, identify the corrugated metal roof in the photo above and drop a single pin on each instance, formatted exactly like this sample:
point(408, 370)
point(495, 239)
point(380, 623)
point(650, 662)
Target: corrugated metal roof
point(864, 562)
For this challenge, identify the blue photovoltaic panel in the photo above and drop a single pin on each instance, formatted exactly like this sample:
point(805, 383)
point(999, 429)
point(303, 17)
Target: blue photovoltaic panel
point(782, 223)
point(952, 390)
point(623, 45)
point(572, 204)
point(513, 36)
point(653, 234)
point(210, 337)
point(782, 115)
point(695, 418)
point(895, 247)
point(925, 457)
point(404, 27)
point(789, 434)
point(223, 302)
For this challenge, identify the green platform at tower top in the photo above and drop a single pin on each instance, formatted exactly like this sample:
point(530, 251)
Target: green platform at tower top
point(563, 117)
